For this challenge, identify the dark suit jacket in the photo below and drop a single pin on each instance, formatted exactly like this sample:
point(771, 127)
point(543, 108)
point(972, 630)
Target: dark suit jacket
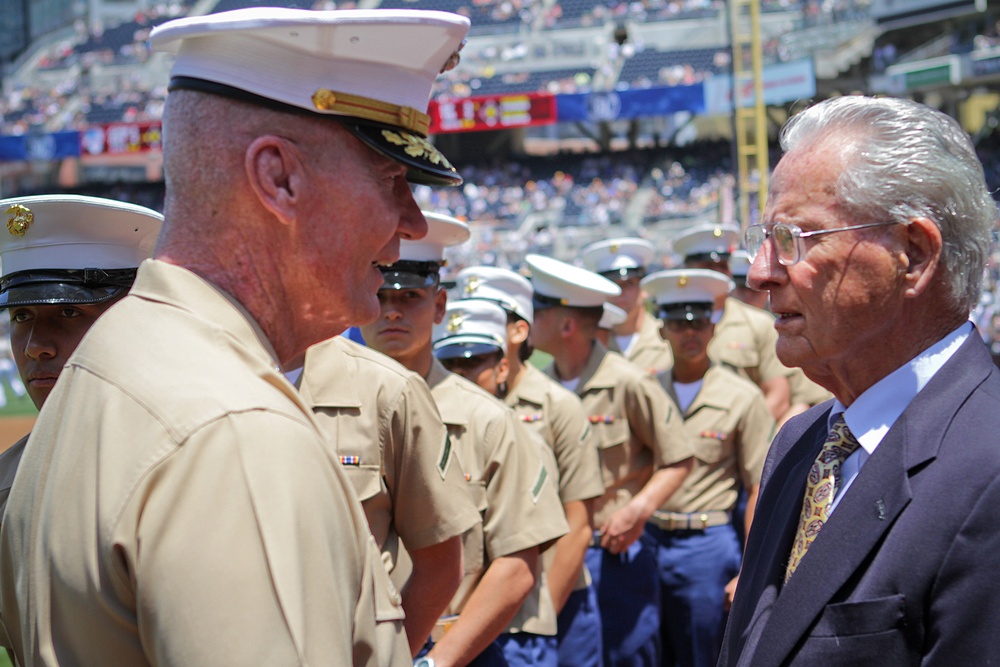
point(907, 570)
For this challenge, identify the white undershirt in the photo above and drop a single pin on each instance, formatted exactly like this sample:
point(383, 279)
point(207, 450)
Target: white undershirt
point(686, 392)
point(570, 384)
point(874, 412)
point(625, 343)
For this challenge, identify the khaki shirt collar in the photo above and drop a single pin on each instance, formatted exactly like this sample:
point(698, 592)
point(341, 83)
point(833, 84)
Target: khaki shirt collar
point(531, 389)
point(178, 287)
point(595, 374)
point(322, 375)
point(715, 388)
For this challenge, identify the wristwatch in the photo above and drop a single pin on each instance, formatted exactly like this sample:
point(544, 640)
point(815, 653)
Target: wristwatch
point(425, 662)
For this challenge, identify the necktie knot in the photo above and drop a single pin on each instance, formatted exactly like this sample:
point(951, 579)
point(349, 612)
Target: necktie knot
point(821, 489)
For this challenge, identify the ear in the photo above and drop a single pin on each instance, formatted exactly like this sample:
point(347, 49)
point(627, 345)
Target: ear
point(517, 332)
point(274, 172)
point(503, 370)
point(922, 254)
point(440, 305)
point(569, 325)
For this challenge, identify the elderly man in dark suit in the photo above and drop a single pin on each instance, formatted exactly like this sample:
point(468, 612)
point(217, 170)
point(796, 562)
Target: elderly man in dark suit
point(877, 539)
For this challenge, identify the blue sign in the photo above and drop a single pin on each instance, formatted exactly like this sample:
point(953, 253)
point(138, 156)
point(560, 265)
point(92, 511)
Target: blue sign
point(40, 147)
point(624, 104)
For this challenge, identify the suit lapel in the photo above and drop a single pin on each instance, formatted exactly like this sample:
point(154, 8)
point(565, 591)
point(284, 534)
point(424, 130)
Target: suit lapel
point(866, 512)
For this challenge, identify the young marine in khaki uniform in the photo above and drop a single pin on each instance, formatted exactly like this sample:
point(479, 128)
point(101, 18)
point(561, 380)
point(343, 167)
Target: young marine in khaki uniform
point(645, 454)
point(744, 336)
point(624, 261)
point(731, 428)
point(389, 437)
point(177, 503)
point(509, 484)
point(53, 241)
point(557, 415)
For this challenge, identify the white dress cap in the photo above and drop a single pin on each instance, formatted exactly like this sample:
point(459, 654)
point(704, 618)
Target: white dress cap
point(75, 232)
point(443, 231)
point(707, 240)
point(511, 290)
point(471, 327)
point(612, 317)
point(618, 254)
point(372, 65)
point(739, 264)
point(71, 249)
point(683, 286)
point(569, 285)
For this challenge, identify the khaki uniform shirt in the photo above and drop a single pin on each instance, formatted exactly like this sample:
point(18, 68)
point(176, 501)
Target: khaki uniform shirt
point(745, 341)
point(178, 504)
point(556, 415)
point(514, 491)
point(388, 435)
point(9, 460)
point(649, 352)
point(731, 430)
point(640, 429)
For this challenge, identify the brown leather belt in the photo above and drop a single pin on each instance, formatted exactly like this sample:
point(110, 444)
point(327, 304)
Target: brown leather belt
point(694, 521)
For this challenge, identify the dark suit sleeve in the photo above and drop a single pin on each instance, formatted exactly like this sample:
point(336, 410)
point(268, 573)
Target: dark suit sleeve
point(965, 608)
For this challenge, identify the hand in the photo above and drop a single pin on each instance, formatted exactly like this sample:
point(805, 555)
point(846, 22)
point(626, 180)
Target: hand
point(727, 602)
point(622, 529)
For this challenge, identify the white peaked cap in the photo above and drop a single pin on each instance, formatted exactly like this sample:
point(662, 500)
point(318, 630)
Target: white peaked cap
point(375, 66)
point(511, 290)
point(617, 254)
point(75, 232)
point(707, 239)
point(471, 327)
point(678, 286)
point(570, 285)
point(443, 231)
point(612, 317)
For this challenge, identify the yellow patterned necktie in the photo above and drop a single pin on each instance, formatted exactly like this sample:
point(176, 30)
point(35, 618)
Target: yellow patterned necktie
point(821, 489)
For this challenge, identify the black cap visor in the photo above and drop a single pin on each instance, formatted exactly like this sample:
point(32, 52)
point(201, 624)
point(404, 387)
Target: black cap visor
point(51, 287)
point(409, 274)
point(463, 350)
point(687, 312)
point(625, 273)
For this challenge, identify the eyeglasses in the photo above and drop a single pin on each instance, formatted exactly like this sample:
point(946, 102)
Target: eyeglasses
point(788, 238)
point(677, 326)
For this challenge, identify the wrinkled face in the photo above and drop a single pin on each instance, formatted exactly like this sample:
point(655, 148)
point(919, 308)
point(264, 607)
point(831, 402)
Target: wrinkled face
point(839, 304)
point(406, 321)
point(42, 338)
point(358, 205)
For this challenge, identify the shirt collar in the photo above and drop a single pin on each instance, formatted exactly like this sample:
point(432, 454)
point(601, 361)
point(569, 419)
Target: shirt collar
point(874, 412)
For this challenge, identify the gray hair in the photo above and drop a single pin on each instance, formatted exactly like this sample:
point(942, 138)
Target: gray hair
point(907, 160)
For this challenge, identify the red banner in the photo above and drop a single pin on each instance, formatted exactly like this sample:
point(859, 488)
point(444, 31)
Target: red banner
point(118, 138)
point(492, 112)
